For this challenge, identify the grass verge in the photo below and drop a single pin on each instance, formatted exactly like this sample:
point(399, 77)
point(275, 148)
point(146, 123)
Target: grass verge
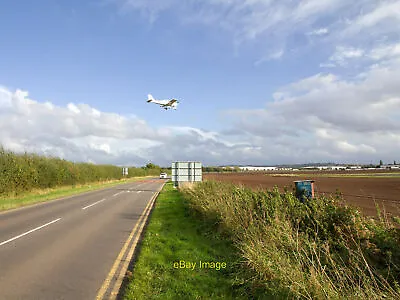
point(312, 250)
point(173, 239)
point(42, 195)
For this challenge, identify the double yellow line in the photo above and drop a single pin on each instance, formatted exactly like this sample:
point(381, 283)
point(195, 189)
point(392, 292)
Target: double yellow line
point(136, 230)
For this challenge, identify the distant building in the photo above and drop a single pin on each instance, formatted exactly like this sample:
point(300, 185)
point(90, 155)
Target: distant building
point(310, 168)
point(251, 168)
point(390, 167)
point(355, 168)
point(323, 167)
point(337, 168)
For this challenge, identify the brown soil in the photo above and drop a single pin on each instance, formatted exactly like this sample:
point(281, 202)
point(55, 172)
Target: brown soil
point(358, 192)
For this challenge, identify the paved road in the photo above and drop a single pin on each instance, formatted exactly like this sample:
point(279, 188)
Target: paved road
point(65, 249)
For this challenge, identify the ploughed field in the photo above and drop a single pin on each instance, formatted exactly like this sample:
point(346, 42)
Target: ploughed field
point(361, 189)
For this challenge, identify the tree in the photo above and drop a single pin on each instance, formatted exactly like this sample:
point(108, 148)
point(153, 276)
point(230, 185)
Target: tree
point(152, 166)
point(380, 162)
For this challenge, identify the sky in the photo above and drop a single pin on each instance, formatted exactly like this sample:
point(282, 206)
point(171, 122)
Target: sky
point(260, 82)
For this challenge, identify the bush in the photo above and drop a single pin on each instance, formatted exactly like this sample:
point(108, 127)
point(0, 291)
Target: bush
point(314, 250)
point(24, 172)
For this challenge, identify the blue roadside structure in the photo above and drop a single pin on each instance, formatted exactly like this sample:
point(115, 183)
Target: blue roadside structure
point(304, 189)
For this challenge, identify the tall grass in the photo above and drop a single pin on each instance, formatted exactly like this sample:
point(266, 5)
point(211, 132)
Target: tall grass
point(312, 250)
point(21, 173)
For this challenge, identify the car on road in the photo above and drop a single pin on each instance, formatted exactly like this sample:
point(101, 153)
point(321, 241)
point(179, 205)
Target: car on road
point(163, 175)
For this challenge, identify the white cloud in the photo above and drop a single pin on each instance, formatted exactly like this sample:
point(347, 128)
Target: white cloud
point(385, 52)
point(319, 31)
point(271, 56)
point(72, 107)
point(326, 117)
point(321, 117)
point(276, 55)
point(79, 132)
point(270, 27)
point(267, 24)
point(103, 147)
point(373, 57)
point(343, 54)
point(310, 8)
point(327, 65)
point(385, 11)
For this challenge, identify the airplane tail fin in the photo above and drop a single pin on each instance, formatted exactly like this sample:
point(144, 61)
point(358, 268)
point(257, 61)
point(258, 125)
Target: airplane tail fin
point(150, 98)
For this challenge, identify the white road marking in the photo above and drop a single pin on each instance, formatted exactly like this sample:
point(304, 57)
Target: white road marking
point(138, 192)
point(30, 231)
point(117, 194)
point(93, 203)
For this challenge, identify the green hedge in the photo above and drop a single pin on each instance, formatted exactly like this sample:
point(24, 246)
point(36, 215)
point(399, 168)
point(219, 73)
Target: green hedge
point(24, 172)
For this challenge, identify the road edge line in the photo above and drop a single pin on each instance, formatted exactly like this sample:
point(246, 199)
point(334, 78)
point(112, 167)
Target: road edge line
point(106, 283)
point(118, 283)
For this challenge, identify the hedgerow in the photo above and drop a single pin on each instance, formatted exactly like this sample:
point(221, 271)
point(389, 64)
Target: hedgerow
point(25, 172)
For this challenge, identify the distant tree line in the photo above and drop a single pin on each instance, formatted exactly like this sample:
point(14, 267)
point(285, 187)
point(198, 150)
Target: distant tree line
point(220, 169)
point(381, 162)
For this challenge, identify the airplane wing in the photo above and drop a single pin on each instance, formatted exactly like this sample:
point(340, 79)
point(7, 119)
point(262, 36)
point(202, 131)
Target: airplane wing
point(170, 102)
point(163, 103)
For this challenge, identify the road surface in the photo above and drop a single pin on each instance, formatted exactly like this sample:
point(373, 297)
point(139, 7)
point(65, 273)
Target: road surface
point(69, 248)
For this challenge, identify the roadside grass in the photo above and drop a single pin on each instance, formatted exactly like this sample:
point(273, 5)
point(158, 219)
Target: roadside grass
point(312, 250)
point(42, 195)
point(174, 235)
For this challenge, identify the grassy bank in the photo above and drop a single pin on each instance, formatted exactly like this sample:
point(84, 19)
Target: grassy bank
point(312, 250)
point(173, 239)
point(42, 195)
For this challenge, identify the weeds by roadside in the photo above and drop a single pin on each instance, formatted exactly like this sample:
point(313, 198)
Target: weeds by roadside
point(175, 242)
point(316, 250)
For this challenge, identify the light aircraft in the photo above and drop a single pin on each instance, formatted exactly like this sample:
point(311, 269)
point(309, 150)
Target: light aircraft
point(166, 104)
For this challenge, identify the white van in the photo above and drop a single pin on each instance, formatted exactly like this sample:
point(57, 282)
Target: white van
point(163, 175)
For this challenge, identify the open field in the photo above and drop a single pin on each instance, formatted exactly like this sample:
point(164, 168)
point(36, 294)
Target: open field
point(294, 250)
point(359, 188)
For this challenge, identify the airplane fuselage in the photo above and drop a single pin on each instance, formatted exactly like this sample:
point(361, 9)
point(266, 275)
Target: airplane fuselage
point(166, 104)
